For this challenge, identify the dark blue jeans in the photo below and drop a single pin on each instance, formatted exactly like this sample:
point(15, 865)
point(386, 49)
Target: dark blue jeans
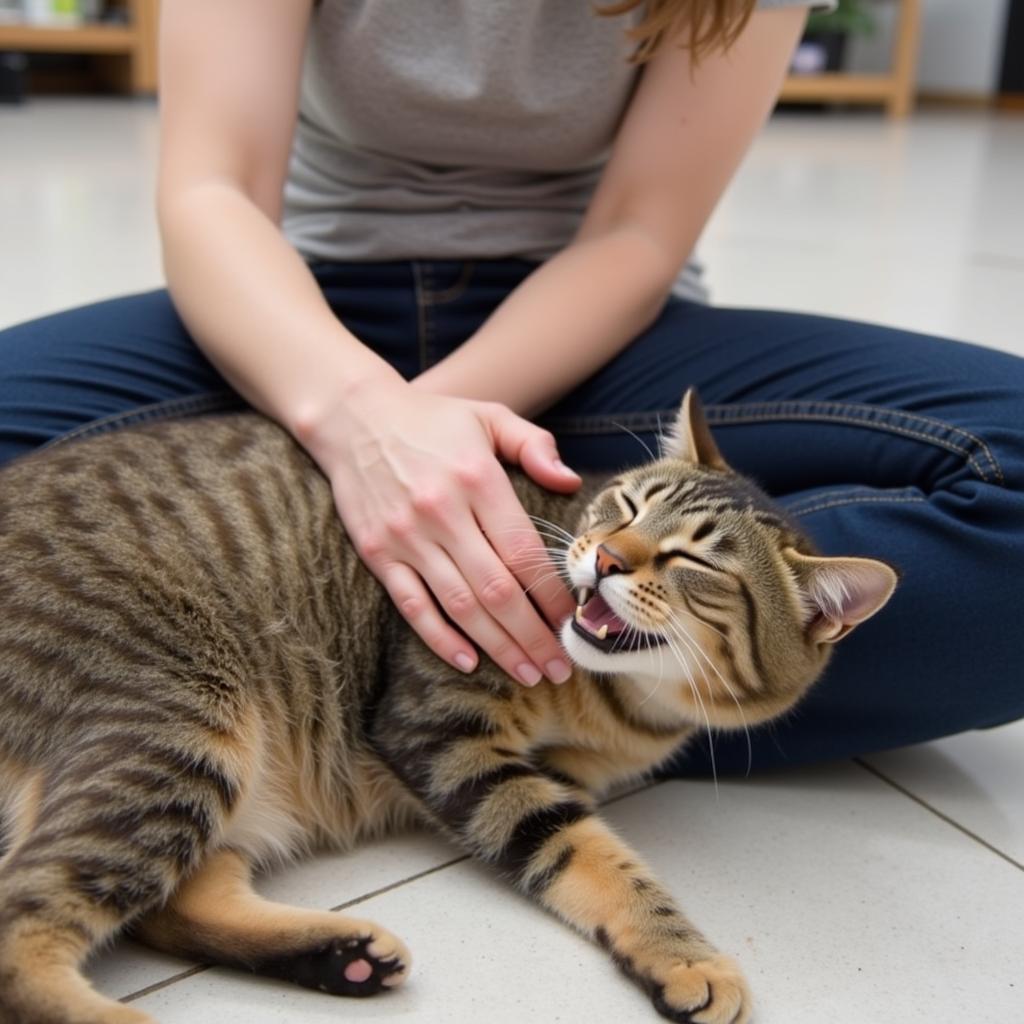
point(881, 442)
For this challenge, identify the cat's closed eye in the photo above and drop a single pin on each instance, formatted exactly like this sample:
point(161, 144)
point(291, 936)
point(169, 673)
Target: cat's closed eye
point(667, 557)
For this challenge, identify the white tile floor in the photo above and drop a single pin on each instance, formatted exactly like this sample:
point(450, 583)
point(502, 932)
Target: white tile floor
point(889, 891)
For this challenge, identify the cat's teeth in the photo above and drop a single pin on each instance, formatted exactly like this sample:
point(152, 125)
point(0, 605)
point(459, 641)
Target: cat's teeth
point(584, 596)
point(602, 632)
point(579, 614)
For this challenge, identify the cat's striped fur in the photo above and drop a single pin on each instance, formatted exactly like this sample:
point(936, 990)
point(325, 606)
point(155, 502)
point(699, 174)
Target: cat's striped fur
point(198, 675)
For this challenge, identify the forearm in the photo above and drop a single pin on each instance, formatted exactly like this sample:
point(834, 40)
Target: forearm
point(254, 308)
point(566, 320)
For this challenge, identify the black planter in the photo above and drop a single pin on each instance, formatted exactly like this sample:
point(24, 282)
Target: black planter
point(834, 45)
point(13, 76)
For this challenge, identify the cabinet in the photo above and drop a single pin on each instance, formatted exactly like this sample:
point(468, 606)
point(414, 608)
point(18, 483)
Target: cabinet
point(127, 51)
point(894, 90)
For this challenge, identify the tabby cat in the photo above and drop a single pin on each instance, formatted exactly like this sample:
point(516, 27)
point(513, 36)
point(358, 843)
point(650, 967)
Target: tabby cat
point(199, 677)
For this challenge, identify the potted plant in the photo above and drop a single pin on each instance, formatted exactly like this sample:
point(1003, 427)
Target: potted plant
point(824, 42)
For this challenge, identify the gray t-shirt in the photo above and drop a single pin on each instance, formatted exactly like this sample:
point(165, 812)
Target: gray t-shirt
point(456, 129)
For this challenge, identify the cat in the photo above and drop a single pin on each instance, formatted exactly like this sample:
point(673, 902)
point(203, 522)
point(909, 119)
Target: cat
point(199, 677)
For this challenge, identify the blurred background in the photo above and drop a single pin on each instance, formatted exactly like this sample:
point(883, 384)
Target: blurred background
point(886, 187)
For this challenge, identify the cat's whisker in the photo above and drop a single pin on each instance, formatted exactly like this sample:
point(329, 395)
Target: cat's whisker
point(541, 580)
point(694, 648)
point(661, 663)
point(630, 632)
point(643, 444)
point(535, 561)
point(739, 708)
point(673, 621)
point(558, 539)
point(535, 574)
point(558, 558)
point(703, 622)
point(627, 637)
point(561, 554)
point(541, 521)
point(700, 703)
point(728, 689)
point(542, 556)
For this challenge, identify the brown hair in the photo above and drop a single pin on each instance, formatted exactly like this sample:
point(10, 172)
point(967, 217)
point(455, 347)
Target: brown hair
point(701, 26)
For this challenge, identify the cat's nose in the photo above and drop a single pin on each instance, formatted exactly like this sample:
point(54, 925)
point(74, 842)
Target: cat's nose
point(609, 561)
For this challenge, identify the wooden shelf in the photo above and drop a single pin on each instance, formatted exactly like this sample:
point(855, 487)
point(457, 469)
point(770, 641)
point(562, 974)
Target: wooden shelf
point(128, 51)
point(76, 39)
point(838, 87)
point(894, 90)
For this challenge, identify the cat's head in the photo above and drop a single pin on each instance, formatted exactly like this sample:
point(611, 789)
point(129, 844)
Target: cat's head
point(693, 582)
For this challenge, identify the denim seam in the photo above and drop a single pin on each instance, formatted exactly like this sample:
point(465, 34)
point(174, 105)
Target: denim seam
point(846, 492)
point(968, 455)
point(861, 406)
point(170, 408)
point(779, 410)
point(857, 501)
point(420, 273)
point(434, 297)
point(722, 416)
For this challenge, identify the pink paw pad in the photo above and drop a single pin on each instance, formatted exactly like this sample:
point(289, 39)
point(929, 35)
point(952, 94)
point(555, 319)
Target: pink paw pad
point(358, 971)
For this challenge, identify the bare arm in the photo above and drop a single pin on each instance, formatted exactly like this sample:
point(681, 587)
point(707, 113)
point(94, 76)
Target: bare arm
point(228, 98)
point(414, 475)
point(682, 138)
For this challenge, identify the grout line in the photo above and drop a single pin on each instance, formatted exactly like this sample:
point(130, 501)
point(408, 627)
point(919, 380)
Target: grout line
point(401, 882)
point(938, 814)
point(157, 985)
point(641, 788)
point(202, 968)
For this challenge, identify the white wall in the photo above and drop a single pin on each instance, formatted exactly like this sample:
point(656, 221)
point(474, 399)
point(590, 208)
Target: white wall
point(961, 45)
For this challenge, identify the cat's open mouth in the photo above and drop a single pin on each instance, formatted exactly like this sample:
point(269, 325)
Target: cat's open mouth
point(603, 629)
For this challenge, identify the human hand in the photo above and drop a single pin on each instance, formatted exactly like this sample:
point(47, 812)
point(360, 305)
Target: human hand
point(430, 510)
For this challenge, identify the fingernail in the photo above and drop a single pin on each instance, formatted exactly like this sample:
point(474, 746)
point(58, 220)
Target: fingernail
point(464, 662)
point(530, 674)
point(560, 465)
point(557, 671)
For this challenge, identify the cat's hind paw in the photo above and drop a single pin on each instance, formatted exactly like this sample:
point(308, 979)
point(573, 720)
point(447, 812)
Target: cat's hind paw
point(706, 992)
point(362, 964)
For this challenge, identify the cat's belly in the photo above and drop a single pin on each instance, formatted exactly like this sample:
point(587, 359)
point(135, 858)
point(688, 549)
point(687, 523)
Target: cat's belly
point(292, 804)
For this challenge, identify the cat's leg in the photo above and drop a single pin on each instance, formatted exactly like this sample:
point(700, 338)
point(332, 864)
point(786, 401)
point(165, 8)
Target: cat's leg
point(98, 841)
point(216, 916)
point(545, 836)
point(606, 891)
point(540, 828)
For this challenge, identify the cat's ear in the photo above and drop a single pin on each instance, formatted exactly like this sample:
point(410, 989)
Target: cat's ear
point(839, 593)
point(689, 438)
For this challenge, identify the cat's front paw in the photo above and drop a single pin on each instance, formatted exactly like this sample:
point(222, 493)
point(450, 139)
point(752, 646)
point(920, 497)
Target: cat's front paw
point(709, 991)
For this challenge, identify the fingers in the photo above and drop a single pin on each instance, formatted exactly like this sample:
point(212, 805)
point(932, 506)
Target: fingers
point(416, 488)
point(473, 584)
point(418, 609)
point(501, 601)
point(444, 554)
point(517, 544)
point(525, 444)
